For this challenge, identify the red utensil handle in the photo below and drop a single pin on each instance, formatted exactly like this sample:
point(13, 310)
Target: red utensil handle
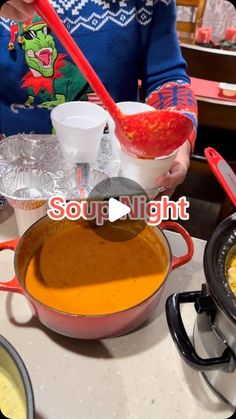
point(223, 172)
point(180, 260)
point(12, 285)
point(47, 12)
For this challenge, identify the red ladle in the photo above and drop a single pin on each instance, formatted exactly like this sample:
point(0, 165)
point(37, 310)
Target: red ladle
point(146, 135)
point(223, 172)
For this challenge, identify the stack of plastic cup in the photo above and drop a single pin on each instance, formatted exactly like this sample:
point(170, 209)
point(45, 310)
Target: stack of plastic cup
point(143, 171)
point(79, 128)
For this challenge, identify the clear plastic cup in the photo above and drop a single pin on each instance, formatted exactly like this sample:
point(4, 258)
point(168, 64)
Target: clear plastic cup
point(143, 171)
point(79, 128)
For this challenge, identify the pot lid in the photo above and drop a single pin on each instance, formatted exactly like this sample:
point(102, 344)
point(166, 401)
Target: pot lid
point(216, 252)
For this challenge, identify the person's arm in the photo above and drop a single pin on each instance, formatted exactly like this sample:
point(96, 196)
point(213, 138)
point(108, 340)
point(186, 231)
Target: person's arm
point(17, 10)
point(165, 83)
point(164, 79)
point(178, 96)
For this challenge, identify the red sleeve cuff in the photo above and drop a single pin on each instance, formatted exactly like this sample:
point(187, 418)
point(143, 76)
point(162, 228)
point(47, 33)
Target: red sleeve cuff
point(177, 96)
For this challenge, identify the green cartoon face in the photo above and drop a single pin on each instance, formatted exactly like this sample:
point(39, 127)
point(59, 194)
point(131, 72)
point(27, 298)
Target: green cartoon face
point(40, 50)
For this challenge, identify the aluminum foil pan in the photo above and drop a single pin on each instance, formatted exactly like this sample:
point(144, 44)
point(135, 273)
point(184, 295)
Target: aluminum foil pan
point(32, 169)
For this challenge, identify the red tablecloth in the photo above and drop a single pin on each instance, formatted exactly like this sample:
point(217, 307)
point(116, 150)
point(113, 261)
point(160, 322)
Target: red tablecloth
point(208, 89)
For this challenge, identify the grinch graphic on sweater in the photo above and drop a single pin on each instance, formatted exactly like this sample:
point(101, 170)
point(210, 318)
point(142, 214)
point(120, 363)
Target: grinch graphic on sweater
point(51, 78)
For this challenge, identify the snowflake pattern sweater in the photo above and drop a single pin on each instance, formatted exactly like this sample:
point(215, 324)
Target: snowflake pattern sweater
point(124, 40)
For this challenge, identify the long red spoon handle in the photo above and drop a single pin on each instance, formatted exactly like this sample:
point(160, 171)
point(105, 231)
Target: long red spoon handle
point(223, 172)
point(47, 12)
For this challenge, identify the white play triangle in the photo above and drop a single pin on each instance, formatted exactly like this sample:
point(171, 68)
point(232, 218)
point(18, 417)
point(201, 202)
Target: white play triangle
point(117, 210)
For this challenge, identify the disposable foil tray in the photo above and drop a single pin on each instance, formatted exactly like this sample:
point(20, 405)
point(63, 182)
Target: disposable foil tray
point(32, 169)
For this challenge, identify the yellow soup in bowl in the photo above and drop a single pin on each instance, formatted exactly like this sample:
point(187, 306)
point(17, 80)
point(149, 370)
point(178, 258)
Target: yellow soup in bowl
point(231, 269)
point(11, 403)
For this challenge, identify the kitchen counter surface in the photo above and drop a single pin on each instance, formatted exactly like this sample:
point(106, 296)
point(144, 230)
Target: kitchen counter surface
point(138, 376)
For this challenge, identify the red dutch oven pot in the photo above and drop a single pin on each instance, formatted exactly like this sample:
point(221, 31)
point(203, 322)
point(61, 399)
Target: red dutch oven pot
point(83, 326)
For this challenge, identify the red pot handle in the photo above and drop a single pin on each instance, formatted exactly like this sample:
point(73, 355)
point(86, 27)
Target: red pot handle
point(180, 260)
point(12, 285)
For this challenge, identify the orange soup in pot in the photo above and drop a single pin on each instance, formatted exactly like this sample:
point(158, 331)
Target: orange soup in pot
point(78, 272)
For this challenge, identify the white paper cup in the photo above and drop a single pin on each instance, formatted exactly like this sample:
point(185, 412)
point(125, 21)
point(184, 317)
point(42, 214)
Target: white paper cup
point(79, 128)
point(128, 108)
point(144, 171)
point(26, 218)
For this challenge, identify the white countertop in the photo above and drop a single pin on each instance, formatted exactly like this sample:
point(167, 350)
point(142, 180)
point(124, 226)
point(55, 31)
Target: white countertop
point(138, 376)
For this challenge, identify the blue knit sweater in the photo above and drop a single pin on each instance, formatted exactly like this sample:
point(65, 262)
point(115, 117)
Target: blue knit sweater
point(124, 40)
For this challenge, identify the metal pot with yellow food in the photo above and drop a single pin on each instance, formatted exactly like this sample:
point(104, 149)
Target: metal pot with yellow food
point(213, 351)
point(16, 394)
point(231, 269)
